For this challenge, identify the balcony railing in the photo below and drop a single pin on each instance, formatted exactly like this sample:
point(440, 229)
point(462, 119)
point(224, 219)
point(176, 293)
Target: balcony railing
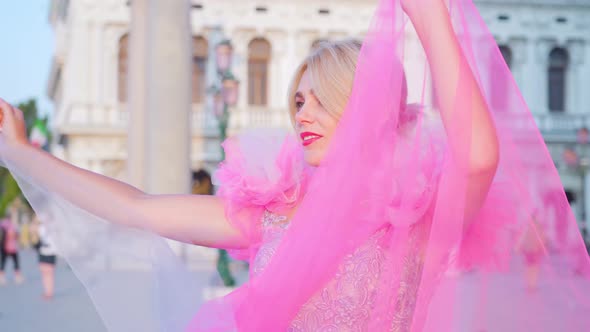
point(562, 122)
point(82, 117)
point(560, 127)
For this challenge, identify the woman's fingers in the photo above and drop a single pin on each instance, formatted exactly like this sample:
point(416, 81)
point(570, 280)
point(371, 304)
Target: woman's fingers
point(4, 107)
point(12, 125)
point(6, 111)
point(18, 114)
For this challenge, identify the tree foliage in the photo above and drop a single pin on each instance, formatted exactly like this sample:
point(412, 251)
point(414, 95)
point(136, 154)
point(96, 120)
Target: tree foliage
point(9, 190)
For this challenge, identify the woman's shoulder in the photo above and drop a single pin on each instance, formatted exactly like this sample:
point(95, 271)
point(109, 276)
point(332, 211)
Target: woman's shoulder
point(263, 168)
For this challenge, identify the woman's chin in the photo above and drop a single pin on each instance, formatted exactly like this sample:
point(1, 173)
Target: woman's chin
point(312, 158)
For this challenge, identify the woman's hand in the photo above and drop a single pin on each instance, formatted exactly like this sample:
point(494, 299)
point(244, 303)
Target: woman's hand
point(12, 127)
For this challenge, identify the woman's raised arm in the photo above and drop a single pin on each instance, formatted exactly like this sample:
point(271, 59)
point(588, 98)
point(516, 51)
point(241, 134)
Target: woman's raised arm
point(452, 75)
point(197, 219)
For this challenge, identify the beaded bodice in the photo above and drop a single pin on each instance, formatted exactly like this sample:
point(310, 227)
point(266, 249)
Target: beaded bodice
point(345, 303)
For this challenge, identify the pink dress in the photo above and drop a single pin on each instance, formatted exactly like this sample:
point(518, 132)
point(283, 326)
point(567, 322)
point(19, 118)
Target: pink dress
point(261, 189)
point(345, 303)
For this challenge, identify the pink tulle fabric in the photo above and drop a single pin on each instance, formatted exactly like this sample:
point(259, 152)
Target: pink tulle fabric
point(394, 186)
point(263, 171)
point(376, 237)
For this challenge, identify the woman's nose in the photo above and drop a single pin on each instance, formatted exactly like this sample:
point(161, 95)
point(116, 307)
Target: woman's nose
point(304, 115)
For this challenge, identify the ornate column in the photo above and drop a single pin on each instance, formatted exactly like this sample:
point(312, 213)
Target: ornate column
point(539, 79)
point(160, 96)
point(169, 97)
point(574, 82)
point(137, 93)
point(518, 46)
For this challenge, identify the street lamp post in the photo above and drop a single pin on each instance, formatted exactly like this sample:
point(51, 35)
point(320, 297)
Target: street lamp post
point(225, 96)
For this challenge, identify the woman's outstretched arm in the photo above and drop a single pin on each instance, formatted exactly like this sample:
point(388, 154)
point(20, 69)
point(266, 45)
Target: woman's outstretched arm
point(197, 219)
point(451, 74)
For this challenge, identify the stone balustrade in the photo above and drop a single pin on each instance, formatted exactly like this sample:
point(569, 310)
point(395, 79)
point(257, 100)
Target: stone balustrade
point(113, 118)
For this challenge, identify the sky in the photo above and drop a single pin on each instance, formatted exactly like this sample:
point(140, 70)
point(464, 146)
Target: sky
point(26, 48)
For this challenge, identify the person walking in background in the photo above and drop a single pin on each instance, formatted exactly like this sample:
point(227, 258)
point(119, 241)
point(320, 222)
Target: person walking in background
point(532, 247)
point(9, 249)
point(47, 259)
point(202, 184)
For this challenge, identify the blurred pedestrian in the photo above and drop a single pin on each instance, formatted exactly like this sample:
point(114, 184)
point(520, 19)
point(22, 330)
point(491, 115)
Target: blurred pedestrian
point(9, 249)
point(532, 247)
point(47, 259)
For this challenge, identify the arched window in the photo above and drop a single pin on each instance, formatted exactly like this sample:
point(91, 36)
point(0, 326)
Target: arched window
point(259, 51)
point(558, 65)
point(199, 70)
point(499, 81)
point(123, 68)
point(506, 54)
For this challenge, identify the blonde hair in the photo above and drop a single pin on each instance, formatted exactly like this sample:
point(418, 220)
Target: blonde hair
point(331, 66)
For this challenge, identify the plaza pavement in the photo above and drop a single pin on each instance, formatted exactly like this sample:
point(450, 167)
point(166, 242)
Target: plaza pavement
point(22, 308)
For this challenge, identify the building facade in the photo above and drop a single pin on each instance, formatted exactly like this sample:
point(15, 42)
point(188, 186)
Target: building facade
point(546, 43)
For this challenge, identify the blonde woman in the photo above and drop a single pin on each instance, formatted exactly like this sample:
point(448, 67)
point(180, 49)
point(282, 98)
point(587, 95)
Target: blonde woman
point(349, 224)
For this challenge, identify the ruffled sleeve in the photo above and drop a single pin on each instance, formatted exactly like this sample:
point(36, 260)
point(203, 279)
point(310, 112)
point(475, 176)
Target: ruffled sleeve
point(486, 243)
point(263, 170)
point(414, 188)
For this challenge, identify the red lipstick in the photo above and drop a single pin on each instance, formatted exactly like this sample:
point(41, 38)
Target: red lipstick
point(308, 138)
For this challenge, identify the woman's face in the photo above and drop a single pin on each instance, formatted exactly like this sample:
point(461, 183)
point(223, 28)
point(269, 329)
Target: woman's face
point(314, 125)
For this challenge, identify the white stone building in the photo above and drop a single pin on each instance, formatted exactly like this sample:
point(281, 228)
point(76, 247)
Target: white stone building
point(545, 42)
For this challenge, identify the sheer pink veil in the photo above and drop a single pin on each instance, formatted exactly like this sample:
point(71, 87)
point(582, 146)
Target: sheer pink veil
point(133, 277)
point(408, 179)
point(388, 169)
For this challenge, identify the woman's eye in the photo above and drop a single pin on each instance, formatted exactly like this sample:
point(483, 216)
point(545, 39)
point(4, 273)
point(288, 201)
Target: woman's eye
point(298, 105)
